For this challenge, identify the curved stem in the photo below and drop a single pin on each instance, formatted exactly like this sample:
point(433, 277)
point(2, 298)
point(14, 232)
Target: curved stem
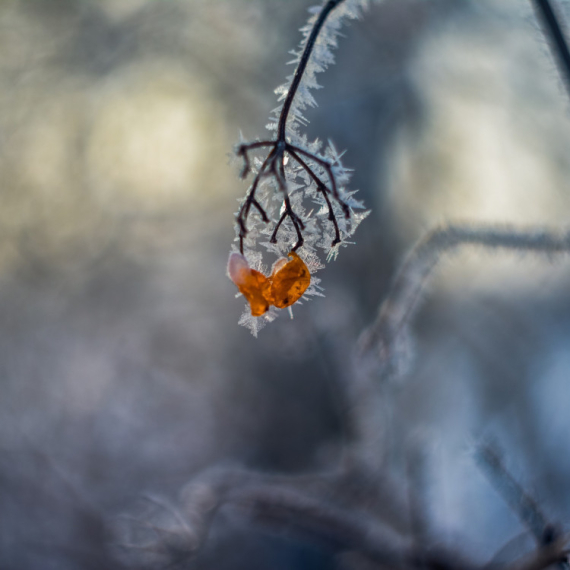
point(321, 187)
point(555, 36)
point(403, 299)
point(327, 9)
point(251, 200)
point(328, 167)
point(274, 160)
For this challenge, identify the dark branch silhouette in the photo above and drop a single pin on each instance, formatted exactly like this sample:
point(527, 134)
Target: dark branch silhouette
point(274, 163)
point(553, 32)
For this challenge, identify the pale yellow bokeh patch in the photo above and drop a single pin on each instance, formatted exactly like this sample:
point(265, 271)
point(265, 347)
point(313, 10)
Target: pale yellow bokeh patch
point(155, 140)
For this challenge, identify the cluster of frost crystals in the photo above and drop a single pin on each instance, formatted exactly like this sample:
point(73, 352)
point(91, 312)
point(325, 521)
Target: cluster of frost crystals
point(307, 201)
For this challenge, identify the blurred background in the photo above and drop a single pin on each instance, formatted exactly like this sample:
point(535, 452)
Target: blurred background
point(122, 368)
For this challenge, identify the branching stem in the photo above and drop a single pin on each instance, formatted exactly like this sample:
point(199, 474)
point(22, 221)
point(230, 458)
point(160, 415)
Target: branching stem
point(555, 36)
point(327, 9)
point(273, 165)
point(324, 191)
point(520, 502)
point(402, 301)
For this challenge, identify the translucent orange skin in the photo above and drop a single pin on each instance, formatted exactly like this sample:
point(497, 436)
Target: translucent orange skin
point(289, 281)
point(285, 286)
point(255, 287)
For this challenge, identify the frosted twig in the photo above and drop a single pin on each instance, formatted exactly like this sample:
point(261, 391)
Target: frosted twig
point(274, 163)
point(553, 31)
point(520, 502)
point(302, 505)
point(402, 301)
point(308, 507)
point(321, 187)
point(527, 509)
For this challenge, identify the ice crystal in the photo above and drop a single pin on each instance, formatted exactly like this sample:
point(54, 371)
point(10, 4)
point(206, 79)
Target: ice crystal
point(299, 198)
point(321, 57)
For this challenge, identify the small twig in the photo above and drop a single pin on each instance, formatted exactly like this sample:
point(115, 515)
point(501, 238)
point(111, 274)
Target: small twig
point(554, 553)
point(301, 506)
point(340, 529)
point(379, 356)
point(327, 9)
point(243, 151)
point(518, 500)
point(402, 300)
point(329, 170)
point(169, 509)
point(553, 32)
point(274, 162)
point(328, 495)
point(545, 534)
point(417, 496)
point(321, 187)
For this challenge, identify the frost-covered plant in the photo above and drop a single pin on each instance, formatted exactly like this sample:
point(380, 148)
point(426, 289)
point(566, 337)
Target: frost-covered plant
point(353, 506)
point(298, 200)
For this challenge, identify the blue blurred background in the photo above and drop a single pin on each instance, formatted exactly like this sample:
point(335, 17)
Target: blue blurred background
point(122, 368)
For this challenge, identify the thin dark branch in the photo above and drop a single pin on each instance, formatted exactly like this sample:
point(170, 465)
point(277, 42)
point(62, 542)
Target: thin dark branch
point(244, 210)
point(327, 9)
point(521, 502)
point(301, 506)
point(273, 238)
point(250, 199)
point(298, 224)
point(246, 147)
point(554, 34)
point(339, 529)
point(284, 509)
point(518, 500)
point(328, 168)
point(243, 151)
point(402, 300)
point(349, 530)
point(321, 187)
point(274, 161)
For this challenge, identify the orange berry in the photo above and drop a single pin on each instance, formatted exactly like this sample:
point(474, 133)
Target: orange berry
point(252, 284)
point(289, 281)
point(285, 286)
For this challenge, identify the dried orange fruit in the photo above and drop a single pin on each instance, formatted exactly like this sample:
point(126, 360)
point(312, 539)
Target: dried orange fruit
point(289, 281)
point(252, 284)
point(285, 286)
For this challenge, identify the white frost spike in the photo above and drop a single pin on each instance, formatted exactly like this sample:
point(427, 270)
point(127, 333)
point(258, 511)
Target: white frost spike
point(306, 206)
point(321, 58)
